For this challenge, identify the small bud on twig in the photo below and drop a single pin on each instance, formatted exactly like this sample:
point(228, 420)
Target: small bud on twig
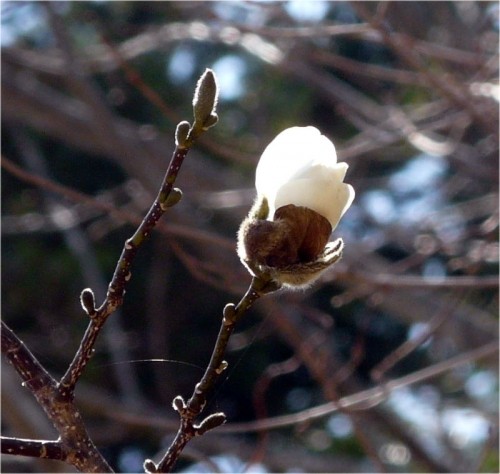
point(210, 422)
point(87, 300)
point(205, 101)
point(229, 311)
point(172, 199)
point(178, 404)
point(149, 466)
point(222, 367)
point(181, 134)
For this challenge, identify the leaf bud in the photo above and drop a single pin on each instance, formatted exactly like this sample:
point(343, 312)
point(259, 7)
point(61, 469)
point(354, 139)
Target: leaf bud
point(182, 133)
point(211, 120)
point(172, 199)
point(87, 300)
point(222, 367)
point(178, 404)
point(210, 422)
point(229, 311)
point(205, 100)
point(149, 466)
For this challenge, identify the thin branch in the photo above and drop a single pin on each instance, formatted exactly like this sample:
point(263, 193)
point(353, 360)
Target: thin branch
point(68, 193)
point(77, 242)
point(78, 80)
point(209, 273)
point(262, 385)
point(355, 29)
point(122, 274)
point(333, 89)
point(318, 360)
point(101, 59)
point(415, 281)
point(358, 401)
point(373, 71)
point(190, 410)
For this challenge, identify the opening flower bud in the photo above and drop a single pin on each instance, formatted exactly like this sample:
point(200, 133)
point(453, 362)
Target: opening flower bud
point(301, 197)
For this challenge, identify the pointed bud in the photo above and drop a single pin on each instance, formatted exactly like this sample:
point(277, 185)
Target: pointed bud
point(205, 100)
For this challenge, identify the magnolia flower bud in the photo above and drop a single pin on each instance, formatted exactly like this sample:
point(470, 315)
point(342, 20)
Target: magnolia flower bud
point(300, 167)
point(205, 100)
point(300, 200)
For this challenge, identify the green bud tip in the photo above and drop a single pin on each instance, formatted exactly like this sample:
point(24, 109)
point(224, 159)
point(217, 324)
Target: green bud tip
point(261, 209)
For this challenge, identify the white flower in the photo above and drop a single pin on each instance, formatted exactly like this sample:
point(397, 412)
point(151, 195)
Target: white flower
point(301, 197)
point(300, 167)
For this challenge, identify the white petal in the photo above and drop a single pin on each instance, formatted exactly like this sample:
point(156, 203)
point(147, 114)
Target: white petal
point(300, 167)
point(336, 173)
point(289, 155)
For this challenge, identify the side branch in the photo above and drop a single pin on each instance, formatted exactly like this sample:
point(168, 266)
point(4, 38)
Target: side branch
point(204, 102)
point(231, 315)
point(190, 410)
point(33, 448)
point(122, 274)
